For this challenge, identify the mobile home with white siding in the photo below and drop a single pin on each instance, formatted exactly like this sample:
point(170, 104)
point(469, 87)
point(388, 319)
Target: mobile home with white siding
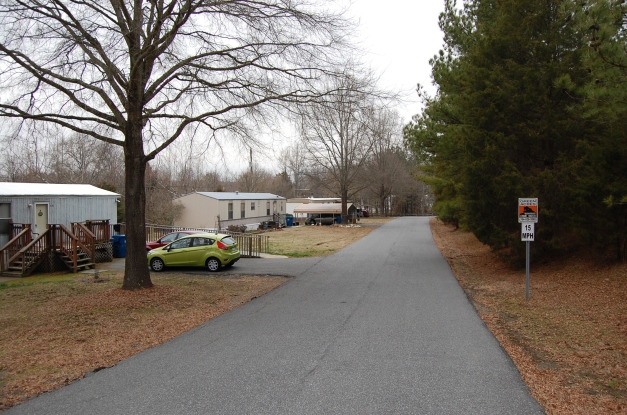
point(40, 204)
point(221, 209)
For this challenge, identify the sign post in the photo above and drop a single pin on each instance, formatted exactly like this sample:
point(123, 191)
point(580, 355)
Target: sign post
point(527, 217)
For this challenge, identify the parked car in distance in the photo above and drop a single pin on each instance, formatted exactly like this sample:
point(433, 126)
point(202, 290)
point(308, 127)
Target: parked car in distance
point(322, 219)
point(211, 250)
point(166, 239)
point(363, 213)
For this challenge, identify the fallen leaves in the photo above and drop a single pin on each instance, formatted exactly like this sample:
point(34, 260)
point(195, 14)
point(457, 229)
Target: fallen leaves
point(569, 340)
point(56, 331)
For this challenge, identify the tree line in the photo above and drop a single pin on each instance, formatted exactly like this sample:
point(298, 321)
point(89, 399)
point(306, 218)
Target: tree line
point(529, 103)
point(383, 182)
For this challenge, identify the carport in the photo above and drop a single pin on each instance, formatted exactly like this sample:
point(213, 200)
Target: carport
point(320, 210)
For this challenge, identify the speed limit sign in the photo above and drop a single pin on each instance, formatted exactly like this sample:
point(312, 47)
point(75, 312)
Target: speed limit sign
point(528, 231)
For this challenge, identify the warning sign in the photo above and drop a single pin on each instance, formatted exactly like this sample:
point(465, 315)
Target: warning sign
point(528, 210)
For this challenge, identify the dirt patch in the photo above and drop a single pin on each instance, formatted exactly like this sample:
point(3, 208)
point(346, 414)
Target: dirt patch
point(55, 329)
point(569, 341)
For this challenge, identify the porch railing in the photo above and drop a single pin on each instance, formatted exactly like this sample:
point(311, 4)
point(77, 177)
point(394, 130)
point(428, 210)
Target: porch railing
point(100, 229)
point(18, 227)
point(21, 237)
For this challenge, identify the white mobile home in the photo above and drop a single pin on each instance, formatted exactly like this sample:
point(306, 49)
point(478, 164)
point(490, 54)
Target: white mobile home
point(292, 203)
point(317, 210)
point(221, 209)
point(40, 204)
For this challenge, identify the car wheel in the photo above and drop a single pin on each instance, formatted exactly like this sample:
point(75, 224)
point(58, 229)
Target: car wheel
point(157, 265)
point(213, 264)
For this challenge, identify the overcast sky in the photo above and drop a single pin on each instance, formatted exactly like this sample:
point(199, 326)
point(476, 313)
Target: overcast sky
point(399, 37)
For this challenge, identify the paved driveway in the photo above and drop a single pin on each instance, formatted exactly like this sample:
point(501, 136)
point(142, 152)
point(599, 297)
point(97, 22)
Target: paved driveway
point(380, 327)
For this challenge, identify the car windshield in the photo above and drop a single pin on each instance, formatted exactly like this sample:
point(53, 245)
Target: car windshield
point(228, 240)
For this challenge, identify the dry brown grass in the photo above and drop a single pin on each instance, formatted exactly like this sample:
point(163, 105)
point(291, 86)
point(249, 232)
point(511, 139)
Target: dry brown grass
point(55, 329)
point(311, 241)
point(569, 341)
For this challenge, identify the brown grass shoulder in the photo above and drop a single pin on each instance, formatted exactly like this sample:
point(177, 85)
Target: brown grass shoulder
point(569, 341)
point(56, 328)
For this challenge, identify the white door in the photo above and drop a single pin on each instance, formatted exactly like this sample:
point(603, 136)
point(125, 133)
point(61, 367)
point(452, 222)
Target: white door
point(41, 217)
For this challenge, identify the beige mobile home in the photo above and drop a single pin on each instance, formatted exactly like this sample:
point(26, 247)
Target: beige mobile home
point(215, 210)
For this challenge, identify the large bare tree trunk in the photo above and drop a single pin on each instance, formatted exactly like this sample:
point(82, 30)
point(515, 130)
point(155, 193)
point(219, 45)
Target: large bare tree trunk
point(136, 274)
point(344, 196)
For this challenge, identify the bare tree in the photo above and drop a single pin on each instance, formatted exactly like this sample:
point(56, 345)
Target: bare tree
point(160, 194)
point(59, 158)
point(281, 185)
point(385, 169)
point(293, 163)
point(335, 136)
point(256, 179)
point(138, 74)
point(82, 159)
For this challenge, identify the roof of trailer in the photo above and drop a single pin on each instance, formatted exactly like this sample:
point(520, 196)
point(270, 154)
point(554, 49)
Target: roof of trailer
point(321, 208)
point(241, 196)
point(49, 189)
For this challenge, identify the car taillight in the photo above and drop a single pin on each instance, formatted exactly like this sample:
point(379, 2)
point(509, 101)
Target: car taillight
point(222, 245)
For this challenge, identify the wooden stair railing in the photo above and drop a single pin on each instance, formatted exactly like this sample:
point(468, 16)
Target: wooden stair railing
point(86, 238)
point(21, 255)
point(11, 248)
point(26, 259)
point(75, 254)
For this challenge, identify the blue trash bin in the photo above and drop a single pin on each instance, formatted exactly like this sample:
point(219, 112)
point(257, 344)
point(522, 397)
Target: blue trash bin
point(119, 246)
point(338, 220)
point(289, 220)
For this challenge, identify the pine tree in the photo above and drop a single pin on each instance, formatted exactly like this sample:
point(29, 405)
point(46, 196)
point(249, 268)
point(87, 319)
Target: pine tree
point(499, 128)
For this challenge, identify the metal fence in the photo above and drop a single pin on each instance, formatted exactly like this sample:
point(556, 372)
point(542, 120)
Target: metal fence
point(251, 245)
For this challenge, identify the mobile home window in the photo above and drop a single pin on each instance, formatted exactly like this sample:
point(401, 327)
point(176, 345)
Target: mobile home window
point(267, 208)
point(243, 210)
point(230, 210)
point(5, 219)
point(252, 205)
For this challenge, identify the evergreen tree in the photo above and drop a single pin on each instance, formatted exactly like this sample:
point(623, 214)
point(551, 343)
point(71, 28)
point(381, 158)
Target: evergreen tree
point(499, 128)
point(602, 171)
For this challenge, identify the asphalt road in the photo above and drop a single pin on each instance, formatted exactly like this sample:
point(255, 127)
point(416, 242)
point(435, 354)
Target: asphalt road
point(380, 327)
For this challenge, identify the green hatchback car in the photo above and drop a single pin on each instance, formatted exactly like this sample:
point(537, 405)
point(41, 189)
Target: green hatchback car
point(211, 250)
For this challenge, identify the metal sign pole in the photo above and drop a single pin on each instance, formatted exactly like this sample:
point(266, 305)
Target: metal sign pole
point(528, 217)
point(527, 279)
